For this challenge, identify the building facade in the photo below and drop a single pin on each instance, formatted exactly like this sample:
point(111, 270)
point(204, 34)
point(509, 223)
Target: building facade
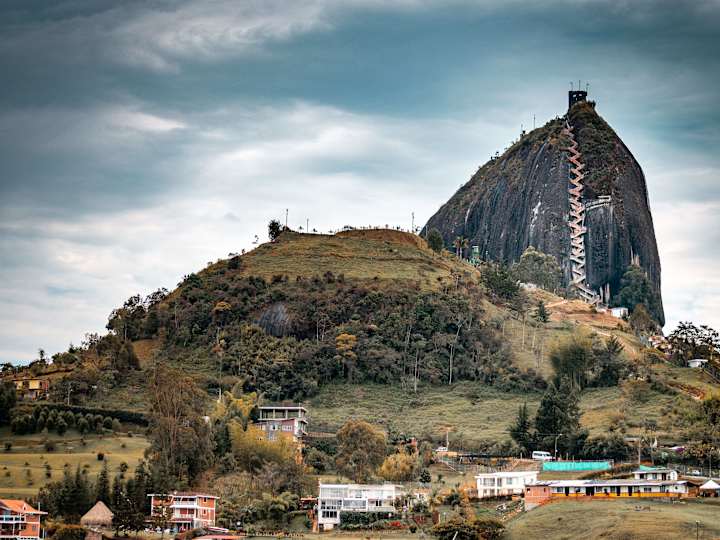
point(19, 520)
point(31, 388)
point(658, 473)
point(336, 498)
point(504, 483)
point(542, 492)
point(187, 510)
point(278, 421)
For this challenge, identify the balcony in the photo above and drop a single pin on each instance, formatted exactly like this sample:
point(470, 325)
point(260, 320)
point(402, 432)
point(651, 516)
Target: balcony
point(12, 518)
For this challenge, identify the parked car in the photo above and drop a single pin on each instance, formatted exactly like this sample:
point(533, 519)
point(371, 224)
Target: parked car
point(541, 456)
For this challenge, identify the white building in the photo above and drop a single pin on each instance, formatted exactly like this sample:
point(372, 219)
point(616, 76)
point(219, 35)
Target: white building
point(336, 498)
point(697, 362)
point(501, 483)
point(619, 312)
point(655, 474)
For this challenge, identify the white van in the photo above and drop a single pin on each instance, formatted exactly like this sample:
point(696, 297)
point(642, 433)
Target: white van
point(541, 456)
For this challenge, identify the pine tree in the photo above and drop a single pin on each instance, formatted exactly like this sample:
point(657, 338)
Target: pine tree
point(558, 418)
point(117, 493)
point(520, 431)
point(541, 313)
point(102, 485)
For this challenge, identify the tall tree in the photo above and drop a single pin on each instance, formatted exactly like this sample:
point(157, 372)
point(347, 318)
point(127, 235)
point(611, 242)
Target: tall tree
point(102, 485)
point(274, 229)
point(435, 240)
point(361, 449)
point(181, 439)
point(7, 400)
point(520, 430)
point(558, 418)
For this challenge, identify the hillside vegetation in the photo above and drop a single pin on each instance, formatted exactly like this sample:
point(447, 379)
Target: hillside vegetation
point(368, 324)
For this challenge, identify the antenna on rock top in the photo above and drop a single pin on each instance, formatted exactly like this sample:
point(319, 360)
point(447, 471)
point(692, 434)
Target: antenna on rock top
point(571, 86)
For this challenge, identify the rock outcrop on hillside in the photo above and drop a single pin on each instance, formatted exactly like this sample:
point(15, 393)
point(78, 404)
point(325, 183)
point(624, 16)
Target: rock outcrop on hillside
point(520, 199)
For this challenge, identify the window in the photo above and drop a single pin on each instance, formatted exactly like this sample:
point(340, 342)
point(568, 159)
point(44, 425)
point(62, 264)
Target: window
point(332, 514)
point(647, 490)
point(287, 428)
point(509, 481)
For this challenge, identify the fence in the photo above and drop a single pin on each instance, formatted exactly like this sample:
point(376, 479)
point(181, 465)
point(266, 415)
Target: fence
point(571, 466)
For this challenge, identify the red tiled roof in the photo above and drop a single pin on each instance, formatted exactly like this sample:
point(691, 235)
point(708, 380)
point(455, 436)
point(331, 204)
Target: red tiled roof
point(19, 506)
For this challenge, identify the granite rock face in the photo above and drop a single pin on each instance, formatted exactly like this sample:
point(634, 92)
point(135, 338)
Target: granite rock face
point(520, 199)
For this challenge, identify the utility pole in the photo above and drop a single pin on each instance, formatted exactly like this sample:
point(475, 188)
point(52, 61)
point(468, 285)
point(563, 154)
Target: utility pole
point(556, 439)
point(412, 228)
point(307, 225)
point(286, 217)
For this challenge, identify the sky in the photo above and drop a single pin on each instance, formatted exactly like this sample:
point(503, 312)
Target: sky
point(141, 140)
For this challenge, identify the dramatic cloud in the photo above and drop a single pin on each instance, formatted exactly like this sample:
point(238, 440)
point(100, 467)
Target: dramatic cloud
point(140, 141)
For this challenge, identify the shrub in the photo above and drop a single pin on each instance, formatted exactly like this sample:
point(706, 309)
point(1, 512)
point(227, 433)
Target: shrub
point(100, 456)
point(49, 445)
point(472, 529)
point(8, 446)
point(69, 532)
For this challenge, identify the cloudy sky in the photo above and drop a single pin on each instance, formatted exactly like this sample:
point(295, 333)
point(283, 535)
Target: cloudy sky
point(140, 140)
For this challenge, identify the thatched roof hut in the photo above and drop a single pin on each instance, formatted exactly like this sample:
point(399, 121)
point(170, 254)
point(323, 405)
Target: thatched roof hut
point(98, 516)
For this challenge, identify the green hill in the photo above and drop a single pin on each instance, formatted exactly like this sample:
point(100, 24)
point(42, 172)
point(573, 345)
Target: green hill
point(366, 324)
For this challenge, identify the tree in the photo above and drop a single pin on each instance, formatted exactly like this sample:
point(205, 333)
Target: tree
point(641, 321)
point(8, 398)
point(252, 450)
point(435, 240)
point(558, 418)
point(274, 229)
point(608, 363)
point(572, 358)
point(399, 467)
point(460, 244)
point(181, 441)
point(539, 268)
point(161, 516)
point(635, 288)
point(520, 430)
point(102, 485)
point(344, 345)
point(500, 282)
point(361, 449)
point(541, 312)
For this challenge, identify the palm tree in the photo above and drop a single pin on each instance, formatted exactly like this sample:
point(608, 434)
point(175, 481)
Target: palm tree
point(460, 244)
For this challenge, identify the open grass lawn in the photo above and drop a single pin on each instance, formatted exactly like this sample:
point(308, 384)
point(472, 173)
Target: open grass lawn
point(472, 412)
point(618, 520)
point(23, 471)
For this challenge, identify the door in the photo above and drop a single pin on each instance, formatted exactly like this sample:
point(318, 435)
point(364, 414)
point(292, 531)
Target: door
point(617, 490)
point(567, 491)
point(629, 491)
point(590, 491)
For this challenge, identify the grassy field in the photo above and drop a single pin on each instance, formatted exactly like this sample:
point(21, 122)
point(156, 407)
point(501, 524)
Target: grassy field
point(473, 413)
point(617, 519)
point(362, 254)
point(23, 470)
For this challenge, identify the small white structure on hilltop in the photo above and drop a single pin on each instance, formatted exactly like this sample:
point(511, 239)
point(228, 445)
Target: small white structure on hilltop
point(336, 498)
point(501, 483)
point(619, 312)
point(697, 362)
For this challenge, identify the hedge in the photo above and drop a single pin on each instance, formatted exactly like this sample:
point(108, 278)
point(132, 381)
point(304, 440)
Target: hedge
point(131, 417)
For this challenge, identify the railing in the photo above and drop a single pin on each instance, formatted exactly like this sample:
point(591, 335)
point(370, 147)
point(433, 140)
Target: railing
point(12, 519)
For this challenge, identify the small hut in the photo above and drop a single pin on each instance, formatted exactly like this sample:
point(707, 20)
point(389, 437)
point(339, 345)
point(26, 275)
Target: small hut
point(710, 489)
point(98, 516)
